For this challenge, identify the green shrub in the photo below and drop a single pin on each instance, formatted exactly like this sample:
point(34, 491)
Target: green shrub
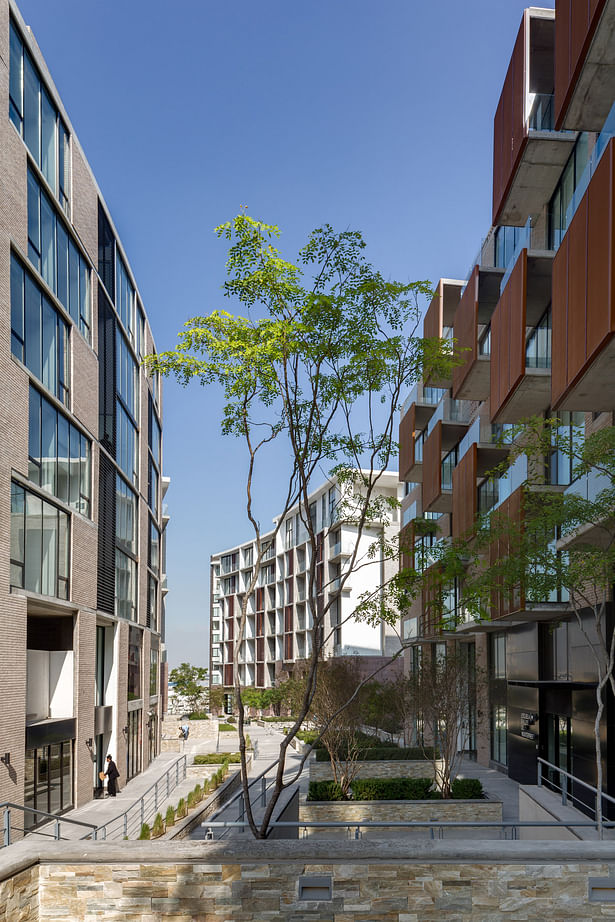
point(467, 789)
point(307, 736)
point(158, 827)
point(216, 758)
point(231, 719)
point(391, 788)
point(384, 754)
point(198, 715)
point(198, 794)
point(325, 790)
point(181, 810)
point(169, 817)
point(146, 832)
point(248, 743)
point(226, 728)
point(190, 800)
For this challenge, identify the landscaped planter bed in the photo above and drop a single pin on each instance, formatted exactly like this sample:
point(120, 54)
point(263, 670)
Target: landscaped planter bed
point(321, 771)
point(386, 811)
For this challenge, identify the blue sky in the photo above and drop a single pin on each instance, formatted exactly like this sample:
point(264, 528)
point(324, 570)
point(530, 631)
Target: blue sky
point(373, 116)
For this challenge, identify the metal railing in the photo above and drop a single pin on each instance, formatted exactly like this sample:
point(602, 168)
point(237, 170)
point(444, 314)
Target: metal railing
point(435, 828)
point(128, 824)
point(566, 790)
point(8, 827)
point(261, 786)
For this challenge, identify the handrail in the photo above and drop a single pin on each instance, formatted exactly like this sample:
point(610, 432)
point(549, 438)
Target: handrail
point(432, 825)
point(58, 819)
point(239, 796)
point(164, 782)
point(564, 788)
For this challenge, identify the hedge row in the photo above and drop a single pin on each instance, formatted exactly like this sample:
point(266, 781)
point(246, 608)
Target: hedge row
point(386, 754)
point(395, 789)
point(215, 758)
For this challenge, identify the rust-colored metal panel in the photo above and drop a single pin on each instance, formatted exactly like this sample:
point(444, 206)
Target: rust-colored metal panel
point(465, 329)
point(577, 289)
point(559, 321)
point(432, 324)
point(406, 546)
point(407, 428)
point(497, 360)
point(432, 466)
point(464, 493)
point(516, 319)
point(562, 55)
point(509, 129)
point(505, 601)
point(599, 254)
point(508, 336)
point(579, 25)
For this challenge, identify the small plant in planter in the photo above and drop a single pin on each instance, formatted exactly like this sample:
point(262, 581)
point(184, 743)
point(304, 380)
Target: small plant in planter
point(158, 827)
point(190, 800)
point(146, 832)
point(198, 794)
point(169, 817)
point(181, 809)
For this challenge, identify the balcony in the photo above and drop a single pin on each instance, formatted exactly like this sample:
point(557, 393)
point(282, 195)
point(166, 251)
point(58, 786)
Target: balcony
point(488, 439)
point(583, 279)
point(528, 154)
point(454, 418)
point(426, 399)
point(438, 322)
point(521, 341)
point(599, 534)
point(584, 64)
point(438, 481)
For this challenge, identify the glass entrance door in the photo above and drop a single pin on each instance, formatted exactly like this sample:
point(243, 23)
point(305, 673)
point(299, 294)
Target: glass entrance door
point(558, 748)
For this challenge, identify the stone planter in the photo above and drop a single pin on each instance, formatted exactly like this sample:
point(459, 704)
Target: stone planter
point(321, 771)
point(387, 811)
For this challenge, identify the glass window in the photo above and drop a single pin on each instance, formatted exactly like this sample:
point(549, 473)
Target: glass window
point(125, 298)
point(154, 433)
point(499, 728)
point(562, 206)
point(106, 252)
point(152, 488)
point(39, 544)
point(126, 444)
point(125, 516)
point(152, 602)
point(498, 656)
point(127, 377)
point(100, 665)
point(154, 547)
point(125, 586)
point(39, 336)
point(35, 116)
point(59, 454)
point(153, 672)
point(135, 645)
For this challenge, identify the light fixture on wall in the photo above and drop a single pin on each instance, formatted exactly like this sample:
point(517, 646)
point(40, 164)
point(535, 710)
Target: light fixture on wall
point(125, 730)
point(88, 742)
point(6, 758)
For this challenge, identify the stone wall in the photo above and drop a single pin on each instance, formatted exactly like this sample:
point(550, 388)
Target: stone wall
point(19, 897)
point(256, 881)
point(321, 771)
point(391, 811)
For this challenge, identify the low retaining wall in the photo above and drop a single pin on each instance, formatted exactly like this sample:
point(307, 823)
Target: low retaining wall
point(253, 881)
point(321, 771)
point(390, 811)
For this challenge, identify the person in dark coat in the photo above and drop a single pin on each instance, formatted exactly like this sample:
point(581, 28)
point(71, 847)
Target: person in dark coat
point(112, 776)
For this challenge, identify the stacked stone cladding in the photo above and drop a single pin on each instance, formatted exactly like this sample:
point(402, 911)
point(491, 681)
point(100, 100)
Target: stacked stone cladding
point(389, 881)
point(321, 771)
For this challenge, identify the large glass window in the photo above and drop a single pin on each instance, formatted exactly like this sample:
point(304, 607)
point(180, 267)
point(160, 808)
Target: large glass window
point(154, 547)
point(37, 120)
point(127, 377)
point(135, 646)
point(538, 345)
point(125, 586)
point(498, 656)
point(153, 672)
point(154, 436)
point(39, 335)
point(152, 602)
point(48, 784)
point(499, 728)
point(59, 455)
point(126, 444)
point(561, 207)
point(125, 516)
point(125, 298)
point(53, 252)
point(106, 252)
point(39, 544)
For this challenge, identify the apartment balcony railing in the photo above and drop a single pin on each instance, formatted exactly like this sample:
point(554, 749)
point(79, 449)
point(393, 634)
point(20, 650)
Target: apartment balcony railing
point(542, 112)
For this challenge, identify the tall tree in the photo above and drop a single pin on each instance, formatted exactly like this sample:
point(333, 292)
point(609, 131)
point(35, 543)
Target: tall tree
point(320, 363)
point(189, 682)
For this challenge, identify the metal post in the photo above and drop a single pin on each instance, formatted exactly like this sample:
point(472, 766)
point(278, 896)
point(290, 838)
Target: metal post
point(539, 774)
point(142, 811)
point(156, 796)
point(7, 826)
point(126, 825)
point(263, 790)
point(104, 832)
point(176, 773)
point(564, 790)
point(241, 808)
point(57, 830)
point(357, 832)
point(168, 781)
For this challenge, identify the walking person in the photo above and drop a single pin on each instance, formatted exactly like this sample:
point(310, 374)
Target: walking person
point(112, 776)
